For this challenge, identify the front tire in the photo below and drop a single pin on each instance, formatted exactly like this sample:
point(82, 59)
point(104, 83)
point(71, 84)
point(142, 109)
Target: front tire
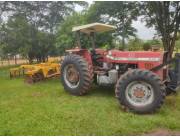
point(76, 75)
point(140, 91)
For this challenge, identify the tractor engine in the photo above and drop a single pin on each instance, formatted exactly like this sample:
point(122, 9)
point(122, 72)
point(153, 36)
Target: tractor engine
point(108, 79)
point(112, 73)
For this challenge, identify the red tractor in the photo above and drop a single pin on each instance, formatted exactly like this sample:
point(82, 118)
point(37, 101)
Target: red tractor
point(142, 79)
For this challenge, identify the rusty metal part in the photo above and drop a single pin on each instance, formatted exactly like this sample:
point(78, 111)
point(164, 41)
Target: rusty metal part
point(29, 80)
point(72, 74)
point(139, 92)
point(34, 78)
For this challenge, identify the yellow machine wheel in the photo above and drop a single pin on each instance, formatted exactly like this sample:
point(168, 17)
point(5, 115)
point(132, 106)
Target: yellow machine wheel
point(29, 80)
point(39, 77)
point(34, 78)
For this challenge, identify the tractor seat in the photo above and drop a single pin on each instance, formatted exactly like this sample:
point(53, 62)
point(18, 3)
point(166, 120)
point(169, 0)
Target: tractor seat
point(96, 58)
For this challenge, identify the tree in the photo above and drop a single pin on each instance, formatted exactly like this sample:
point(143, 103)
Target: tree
point(149, 43)
point(165, 17)
point(177, 45)
point(18, 40)
point(41, 14)
point(118, 13)
point(16, 35)
point(32, 26)
point(57, 11)
point(135, 44)
point(66, 39)
point(146, 46)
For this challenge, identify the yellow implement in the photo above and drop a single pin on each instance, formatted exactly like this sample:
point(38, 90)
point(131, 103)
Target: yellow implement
point(42, 71)
point(37, 72)
point(14, 72)
point(18, 71)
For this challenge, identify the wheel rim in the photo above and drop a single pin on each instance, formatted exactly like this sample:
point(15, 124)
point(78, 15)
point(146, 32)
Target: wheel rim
point(71, 76)
point(139, 93)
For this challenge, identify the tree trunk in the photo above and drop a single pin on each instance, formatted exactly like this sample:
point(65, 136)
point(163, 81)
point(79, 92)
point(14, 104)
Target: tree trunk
point(15, 60)
point(123, 43)
point(30, 59)
point(123, 37)
point(169, 44)
point(8, 61)
point(167, 26)
point(43, 58)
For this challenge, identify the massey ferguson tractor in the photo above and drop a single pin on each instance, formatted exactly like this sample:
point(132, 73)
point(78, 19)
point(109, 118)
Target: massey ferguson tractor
point(142, 79)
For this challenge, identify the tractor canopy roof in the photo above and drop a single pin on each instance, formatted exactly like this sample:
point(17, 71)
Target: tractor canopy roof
point(93, 27)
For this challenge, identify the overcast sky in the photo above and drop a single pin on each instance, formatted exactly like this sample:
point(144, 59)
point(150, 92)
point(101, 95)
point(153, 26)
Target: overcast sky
point(142, 31)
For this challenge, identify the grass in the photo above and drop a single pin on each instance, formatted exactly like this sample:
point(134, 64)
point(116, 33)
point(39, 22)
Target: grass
point(46, 109)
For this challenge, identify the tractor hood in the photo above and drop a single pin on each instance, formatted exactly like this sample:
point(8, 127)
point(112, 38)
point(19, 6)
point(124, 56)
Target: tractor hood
point(135, 56)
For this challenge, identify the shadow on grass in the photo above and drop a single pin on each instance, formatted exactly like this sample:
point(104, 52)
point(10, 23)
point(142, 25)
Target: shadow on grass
point(102, 91)
point(94, 91)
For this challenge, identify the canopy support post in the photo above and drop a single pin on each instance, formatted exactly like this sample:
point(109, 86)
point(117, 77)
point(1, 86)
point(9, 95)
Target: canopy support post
point(92, 36)
point(78, 39)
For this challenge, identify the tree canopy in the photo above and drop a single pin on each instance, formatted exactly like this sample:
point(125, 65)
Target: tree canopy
point(165, 17)
point(30, 28)
point(37, 29)
point(118, 13)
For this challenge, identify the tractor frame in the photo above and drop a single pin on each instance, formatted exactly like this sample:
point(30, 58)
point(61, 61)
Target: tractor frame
point(141, 79)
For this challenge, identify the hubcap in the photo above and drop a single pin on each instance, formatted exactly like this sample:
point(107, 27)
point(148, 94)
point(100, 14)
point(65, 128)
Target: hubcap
point(71, 76)
point(139, 93)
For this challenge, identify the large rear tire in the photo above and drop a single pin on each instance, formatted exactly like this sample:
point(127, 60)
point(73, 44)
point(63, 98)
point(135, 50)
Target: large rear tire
point(76, 75)
point(140, 91)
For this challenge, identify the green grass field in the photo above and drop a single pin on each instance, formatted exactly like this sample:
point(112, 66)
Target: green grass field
point(46, 109)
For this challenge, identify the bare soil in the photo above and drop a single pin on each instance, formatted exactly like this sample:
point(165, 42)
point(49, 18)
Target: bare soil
point(163, 132)
point(12, 62)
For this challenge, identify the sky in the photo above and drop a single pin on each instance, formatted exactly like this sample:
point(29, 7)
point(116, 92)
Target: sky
point(142, 31)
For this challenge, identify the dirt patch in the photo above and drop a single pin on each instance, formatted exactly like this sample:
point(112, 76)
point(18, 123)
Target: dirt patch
point(37, 94)
point(163, 132)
